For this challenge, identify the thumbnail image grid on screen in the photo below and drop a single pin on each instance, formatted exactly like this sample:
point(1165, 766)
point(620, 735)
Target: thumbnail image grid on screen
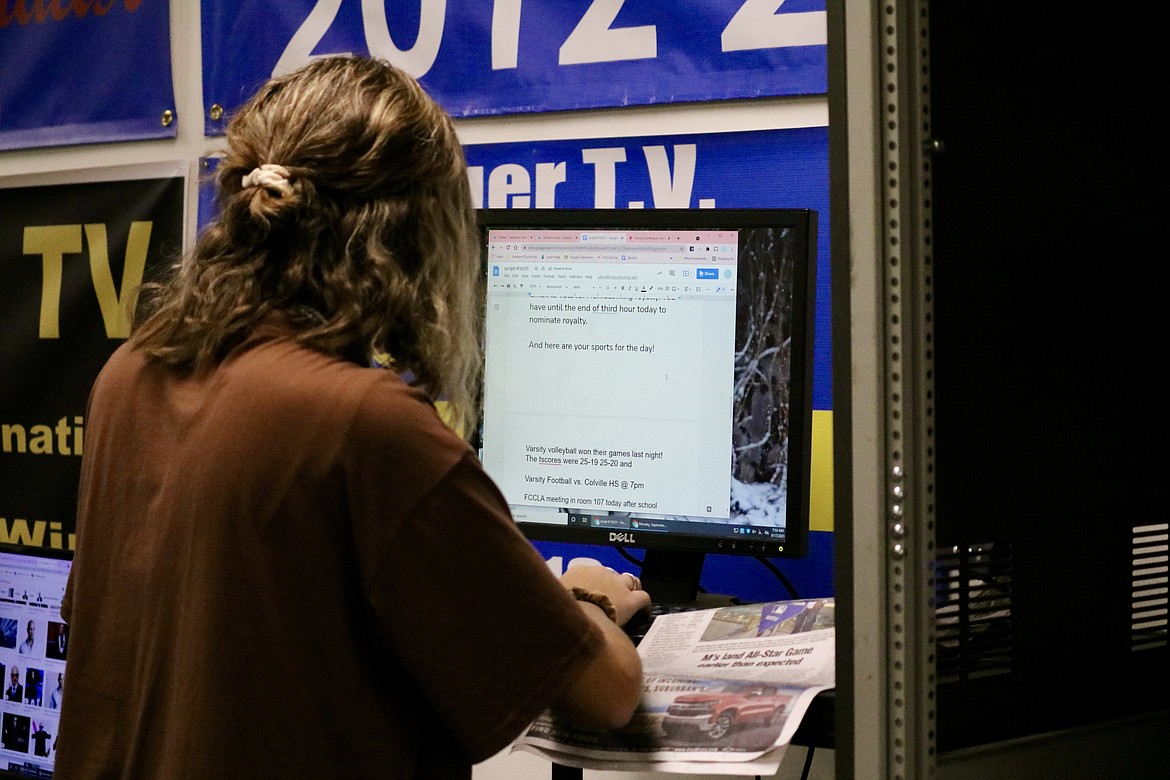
point(33, 645)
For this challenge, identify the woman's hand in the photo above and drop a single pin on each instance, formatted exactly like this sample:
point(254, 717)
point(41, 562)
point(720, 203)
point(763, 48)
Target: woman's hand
point(623, 590)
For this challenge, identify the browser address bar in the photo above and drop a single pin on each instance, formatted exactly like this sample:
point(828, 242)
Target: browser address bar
point(616, 247)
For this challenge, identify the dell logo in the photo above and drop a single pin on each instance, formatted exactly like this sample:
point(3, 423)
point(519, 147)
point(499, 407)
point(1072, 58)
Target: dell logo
point(623, 538)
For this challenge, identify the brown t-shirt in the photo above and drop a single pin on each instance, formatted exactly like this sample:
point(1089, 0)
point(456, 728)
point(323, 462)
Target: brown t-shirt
point(290, 567)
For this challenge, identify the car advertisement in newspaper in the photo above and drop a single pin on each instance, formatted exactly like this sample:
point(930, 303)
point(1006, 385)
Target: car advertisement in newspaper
point(724, 691)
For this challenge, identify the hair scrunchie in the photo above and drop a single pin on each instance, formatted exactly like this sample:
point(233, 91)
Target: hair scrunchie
point(270, 177)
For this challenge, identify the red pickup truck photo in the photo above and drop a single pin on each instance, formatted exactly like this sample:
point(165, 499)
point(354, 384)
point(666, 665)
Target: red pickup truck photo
point(717, 713)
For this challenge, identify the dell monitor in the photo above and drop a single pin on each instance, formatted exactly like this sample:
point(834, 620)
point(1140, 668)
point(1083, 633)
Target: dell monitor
point(647, 381)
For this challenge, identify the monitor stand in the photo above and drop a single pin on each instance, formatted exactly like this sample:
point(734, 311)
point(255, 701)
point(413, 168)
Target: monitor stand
point(672, 577)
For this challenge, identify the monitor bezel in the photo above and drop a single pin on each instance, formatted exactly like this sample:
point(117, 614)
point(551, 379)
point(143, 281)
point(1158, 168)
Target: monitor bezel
point(803, 222)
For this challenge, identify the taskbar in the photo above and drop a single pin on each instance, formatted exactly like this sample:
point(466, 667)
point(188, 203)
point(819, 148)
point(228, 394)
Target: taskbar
point(700, 526)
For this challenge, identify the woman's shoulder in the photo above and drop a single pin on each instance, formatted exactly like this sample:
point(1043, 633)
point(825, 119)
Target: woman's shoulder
point(376, 401)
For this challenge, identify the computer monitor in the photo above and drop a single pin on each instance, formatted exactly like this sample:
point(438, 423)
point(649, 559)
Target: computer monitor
point(33, 643)
point(647, 381)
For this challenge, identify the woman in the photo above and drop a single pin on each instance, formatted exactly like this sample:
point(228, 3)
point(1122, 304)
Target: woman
point(287, 565)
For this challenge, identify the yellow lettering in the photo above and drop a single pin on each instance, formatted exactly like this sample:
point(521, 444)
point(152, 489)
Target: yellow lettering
point(18, 532)
point(39, 439)
point(41, 442)
point(62, 430)
point(21, 533)
point(13, 437)
point(52, 243)
point(55, 538)
point(116, 308)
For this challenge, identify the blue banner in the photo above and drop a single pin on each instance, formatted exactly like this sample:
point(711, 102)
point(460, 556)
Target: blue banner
point(749, 169)
point(521, 56)
point(84, 71)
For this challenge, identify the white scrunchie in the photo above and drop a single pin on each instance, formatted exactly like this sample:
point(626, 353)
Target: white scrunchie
point(270, 177)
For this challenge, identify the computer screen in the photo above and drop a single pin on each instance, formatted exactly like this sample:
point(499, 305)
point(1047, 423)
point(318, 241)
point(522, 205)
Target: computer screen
point(33, 641)
point(647, 380)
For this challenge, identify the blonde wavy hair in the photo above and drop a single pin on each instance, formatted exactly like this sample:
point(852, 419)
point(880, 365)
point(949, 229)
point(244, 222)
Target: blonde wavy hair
point(370, 248)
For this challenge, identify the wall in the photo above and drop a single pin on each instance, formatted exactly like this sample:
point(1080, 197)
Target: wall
point(36, 165)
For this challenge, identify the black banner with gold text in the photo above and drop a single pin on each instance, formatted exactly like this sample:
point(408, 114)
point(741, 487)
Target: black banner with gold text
point(70, 257)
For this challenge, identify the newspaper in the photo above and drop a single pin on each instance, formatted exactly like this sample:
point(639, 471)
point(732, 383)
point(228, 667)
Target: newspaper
point(724, 691)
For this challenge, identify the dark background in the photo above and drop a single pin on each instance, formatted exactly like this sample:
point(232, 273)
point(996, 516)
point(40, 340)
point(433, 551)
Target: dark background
point(1049, 277)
